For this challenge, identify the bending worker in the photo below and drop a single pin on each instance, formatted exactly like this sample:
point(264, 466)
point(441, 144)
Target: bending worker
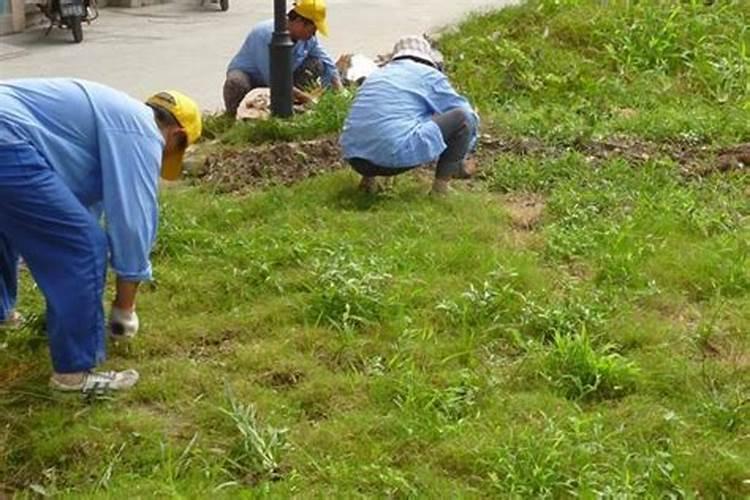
point(250, 68)
point(407, 114)
point(68, 149)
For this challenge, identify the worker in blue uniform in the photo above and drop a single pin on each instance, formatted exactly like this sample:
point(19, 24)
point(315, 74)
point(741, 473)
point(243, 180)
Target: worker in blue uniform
point(407, 114)
point(70, 152)
point(250, 67)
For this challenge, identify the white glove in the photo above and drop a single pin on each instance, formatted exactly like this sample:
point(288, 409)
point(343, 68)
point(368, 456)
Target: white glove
point(122, 324)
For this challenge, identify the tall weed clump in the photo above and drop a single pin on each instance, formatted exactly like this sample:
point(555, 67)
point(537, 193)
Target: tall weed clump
point(580, 372)
point(347, 292)
point(257, 449)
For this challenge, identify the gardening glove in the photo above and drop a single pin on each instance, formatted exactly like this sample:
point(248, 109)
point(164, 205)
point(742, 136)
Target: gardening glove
point(123, 324)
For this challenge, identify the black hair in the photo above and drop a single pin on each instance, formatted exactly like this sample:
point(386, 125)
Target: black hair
point(293, 15)
point(165, 119)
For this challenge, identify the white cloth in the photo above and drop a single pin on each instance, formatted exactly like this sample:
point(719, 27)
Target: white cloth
point(256, 105)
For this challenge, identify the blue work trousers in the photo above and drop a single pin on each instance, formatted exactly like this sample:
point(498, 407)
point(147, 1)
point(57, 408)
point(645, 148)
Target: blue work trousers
point(65, 250)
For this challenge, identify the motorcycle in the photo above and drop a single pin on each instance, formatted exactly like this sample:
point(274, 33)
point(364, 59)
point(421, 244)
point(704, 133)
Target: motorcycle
point(69, 14)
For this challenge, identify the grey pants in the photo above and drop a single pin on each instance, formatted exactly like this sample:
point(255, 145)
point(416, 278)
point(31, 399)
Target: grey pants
point(455, 126)
point(238, 83)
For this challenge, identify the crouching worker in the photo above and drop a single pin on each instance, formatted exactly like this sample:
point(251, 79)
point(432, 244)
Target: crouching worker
point(250, 68)
point(70, 148)
point(407, 114)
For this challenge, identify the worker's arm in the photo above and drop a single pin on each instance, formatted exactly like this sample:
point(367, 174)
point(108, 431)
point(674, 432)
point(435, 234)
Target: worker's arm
point(131, 163)
point(125, 292)
point(443, 98)
point(130, 175)
point(331, 77)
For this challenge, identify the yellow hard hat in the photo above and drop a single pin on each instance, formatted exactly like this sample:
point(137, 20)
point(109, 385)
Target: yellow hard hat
point(187, 114)
point(315, 11)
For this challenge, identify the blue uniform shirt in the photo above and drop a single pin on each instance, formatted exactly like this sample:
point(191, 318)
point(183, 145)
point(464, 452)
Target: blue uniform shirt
point(106, 147)
point(390, 121)
point(253, 57)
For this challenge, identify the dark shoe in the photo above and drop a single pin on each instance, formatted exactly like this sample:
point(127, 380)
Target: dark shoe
point(468, 169)
point(440, 188)
point(369, 185)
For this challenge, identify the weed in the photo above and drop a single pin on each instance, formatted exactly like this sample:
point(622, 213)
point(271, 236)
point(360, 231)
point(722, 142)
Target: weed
point(581, 372)
point(447, 405)
point(256, 455)
point(552, 458)
point(729, 412)
point(327, 117)
point(347, 293)
point(548, 319)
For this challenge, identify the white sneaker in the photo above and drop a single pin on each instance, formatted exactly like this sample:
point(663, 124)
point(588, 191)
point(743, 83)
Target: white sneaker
point(98, 382)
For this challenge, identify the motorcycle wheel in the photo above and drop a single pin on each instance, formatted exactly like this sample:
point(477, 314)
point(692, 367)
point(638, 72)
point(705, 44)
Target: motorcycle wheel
point(74, 23)
point(224, 4)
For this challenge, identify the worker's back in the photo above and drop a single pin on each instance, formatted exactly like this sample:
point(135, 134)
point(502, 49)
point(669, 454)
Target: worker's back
point(65, 121)
point(390, 122)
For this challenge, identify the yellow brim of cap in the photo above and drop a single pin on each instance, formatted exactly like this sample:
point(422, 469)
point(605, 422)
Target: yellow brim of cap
point(171, 166)
point(322, 27)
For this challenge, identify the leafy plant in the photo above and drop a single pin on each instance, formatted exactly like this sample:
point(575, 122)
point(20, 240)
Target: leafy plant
point(257, 452)
point(347, 293)
point(581, 372)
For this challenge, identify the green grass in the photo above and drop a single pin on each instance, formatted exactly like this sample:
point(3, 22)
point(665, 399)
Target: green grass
point(315, 341)
point(326, 117)
point(568, 70)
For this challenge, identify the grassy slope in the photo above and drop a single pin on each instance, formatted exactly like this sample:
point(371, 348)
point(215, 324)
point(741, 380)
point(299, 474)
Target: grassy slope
point(412, 346)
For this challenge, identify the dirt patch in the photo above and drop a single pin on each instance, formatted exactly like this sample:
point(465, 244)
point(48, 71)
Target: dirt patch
point(13, 374)
point(231, 170)
point(208, 346)
point(727, 352)
point(282, 379)
point(237, 171)
point(525, 210)
point(734, 158)
point(694, 160)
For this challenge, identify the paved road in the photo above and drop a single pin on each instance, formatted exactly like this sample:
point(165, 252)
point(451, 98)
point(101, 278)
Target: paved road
point(185, 46)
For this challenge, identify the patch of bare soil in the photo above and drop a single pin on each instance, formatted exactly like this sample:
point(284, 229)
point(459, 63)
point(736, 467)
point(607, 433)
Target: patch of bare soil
point(237, 171)
point(727, 352)
point(12, 374)
point(694, 161)
point(242, 170)
point(282, 379)
point(525, 210)
point(208, 346)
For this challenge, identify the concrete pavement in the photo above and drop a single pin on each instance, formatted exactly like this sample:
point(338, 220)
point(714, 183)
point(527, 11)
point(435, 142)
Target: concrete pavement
point(185, 46)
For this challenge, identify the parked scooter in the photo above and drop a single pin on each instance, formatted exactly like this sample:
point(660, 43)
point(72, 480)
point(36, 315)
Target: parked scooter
point(69, 14)
point(223, 4)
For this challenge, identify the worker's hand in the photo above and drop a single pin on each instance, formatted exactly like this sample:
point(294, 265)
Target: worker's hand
point(123, 323)
point(336, 85)
point(301, 97)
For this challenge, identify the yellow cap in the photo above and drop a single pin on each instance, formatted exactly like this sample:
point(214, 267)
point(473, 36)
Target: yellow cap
point(315, 11)
point(187, 114)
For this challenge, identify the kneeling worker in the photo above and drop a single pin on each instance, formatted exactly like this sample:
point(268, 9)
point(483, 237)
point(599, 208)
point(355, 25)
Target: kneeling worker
point(69, 148)
point(250, 68)
point(407, 114)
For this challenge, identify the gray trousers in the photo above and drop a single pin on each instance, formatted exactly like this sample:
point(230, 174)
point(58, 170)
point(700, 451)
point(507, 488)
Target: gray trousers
point(455, 126)
point(238, 83)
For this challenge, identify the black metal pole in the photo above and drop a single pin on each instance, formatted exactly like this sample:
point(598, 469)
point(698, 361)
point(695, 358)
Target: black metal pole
point(281, 63)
